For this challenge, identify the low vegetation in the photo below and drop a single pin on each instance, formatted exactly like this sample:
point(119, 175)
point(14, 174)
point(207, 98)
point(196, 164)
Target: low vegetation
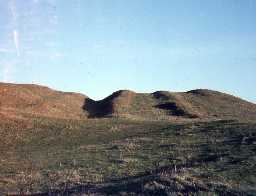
point(110, 156)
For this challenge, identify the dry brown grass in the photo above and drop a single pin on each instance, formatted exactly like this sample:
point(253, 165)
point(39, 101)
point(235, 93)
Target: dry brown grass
point(26, 101)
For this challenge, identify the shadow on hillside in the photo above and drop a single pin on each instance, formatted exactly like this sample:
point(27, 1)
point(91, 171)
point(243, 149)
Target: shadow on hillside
point(97, 109)
point(102, 108)
point(173, 109)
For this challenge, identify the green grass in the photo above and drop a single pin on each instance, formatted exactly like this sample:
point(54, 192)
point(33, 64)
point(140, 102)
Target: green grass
point(96, 151)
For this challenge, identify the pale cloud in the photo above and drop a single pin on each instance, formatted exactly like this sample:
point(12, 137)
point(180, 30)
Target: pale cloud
point(16, 41)
point(15, 33)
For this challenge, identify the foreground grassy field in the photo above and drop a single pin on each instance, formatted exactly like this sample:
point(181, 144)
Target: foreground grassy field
point(113, 156)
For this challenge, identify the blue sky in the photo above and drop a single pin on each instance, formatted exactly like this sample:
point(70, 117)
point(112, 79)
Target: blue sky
point(99, 46)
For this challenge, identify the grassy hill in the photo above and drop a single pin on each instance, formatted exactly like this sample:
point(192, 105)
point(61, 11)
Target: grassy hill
point(33, 100)
point(162, 105)
point(199, 142)
point(21, 100)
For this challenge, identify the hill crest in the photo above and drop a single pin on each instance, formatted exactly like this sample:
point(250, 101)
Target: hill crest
point(29, 100)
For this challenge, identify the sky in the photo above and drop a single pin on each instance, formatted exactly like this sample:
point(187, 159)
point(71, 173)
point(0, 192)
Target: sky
point(99, 46)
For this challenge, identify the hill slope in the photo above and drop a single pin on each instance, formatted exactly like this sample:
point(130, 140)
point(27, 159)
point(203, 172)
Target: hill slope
point(20, 100)
point(26, 100)
point(195, 104)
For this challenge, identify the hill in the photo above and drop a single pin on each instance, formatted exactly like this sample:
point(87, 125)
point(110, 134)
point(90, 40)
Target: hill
point(198, 104)
point(199, 142)
point(24, 100)
point(27, 100)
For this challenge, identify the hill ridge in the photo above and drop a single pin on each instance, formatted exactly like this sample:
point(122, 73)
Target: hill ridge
point(31, 100)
